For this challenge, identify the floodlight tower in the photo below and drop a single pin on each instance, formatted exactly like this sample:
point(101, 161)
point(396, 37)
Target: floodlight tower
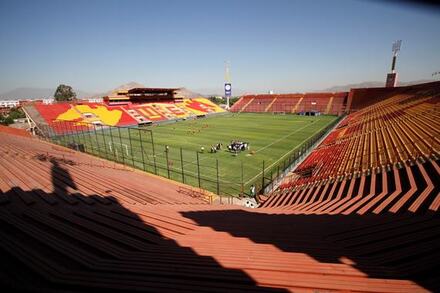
point(392, 77)
point(228, 85)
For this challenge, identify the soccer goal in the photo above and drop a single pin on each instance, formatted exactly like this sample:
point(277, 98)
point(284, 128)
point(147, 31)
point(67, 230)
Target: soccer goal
point(119, 149)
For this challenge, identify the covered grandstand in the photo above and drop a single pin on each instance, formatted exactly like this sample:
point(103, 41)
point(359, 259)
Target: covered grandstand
point(132, 108)
point(360, 213)
point(325, 103)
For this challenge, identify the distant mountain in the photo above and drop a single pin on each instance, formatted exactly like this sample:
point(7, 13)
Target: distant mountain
point(35, 93)
point(182, 91)
point(126, 86)
point(38, 93)
point(367, 84)
point(188, 93)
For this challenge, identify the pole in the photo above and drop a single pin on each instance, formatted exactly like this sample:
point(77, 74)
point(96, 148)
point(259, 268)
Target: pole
point(198, 168)
point(84, 137)
point(181, 164)
point(98, 148)
point(120, 141)
point(262, 179)
point(76, 132)
point(142, 149)
point(90, 139)
point(131, 147)
point(154, 153)
point(105, 144)
point(113, 149)
point(168, 163)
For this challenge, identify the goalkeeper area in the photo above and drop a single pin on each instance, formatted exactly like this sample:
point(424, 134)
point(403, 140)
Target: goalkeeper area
point(196, 151)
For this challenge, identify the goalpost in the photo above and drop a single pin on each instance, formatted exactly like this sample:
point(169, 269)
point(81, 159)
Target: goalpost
point(118, 147)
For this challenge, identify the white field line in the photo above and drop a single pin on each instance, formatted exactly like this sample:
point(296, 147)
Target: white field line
point(195, 161)
point(270, 166)
point(286, 136)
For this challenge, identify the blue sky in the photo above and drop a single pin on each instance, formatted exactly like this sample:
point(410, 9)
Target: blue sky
point(280, 45)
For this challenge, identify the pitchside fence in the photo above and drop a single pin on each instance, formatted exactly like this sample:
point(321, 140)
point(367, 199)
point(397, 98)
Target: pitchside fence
point(136, 147)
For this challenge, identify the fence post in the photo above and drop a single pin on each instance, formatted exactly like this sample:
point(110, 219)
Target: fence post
point(90, 139)
point(198, 168)
point(61, 135)
point(76, 132)
point(154, 153)
point(84, 137)
point(69, 132)
point(112, 144)
point(66, 136)
point(105, 143)
point(131, 146)
point(120, 141)
point(142, 149)
point(218, 182)
point(97, 141)
point(181, 165)
point(262, 179)
point(168, 163)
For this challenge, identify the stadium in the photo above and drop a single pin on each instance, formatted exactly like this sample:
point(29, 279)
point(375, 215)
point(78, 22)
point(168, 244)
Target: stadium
point(151, 190)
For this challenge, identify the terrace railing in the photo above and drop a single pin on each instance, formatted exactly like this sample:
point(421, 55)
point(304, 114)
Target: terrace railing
point(271, 175)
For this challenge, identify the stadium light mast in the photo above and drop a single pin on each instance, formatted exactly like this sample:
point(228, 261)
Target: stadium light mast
point(392, 77)
point(228, 85)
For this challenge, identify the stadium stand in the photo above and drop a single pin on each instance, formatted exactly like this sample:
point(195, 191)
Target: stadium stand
point(83, 114)
point(71, 222)
point(325, 103)
point(360, 98)
point(200, 106)
point(383, 158)
point(360, 213)
point(126, 114)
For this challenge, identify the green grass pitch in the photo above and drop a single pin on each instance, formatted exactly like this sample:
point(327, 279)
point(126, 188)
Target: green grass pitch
point(271, 138)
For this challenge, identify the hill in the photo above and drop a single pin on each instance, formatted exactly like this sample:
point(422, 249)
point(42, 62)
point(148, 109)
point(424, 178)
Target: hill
point(182, 91)
point(368, 84)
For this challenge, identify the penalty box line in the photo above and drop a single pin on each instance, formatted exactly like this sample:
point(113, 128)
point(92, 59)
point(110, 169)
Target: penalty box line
point(286, 136)
point(271, 165)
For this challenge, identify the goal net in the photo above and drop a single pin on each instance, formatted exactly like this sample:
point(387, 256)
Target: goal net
point(119, 149)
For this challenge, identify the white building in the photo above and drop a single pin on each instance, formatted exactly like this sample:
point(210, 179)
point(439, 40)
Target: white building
point(48, 101)
point(95, 100)
point(9, 103)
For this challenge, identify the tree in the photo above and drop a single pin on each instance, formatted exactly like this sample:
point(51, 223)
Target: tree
point(16, 113)
point(216, 100)
point(64, 93)
point(6, 120)
point(233, 100)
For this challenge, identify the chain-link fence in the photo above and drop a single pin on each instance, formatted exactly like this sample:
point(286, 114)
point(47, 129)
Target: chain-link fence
point(135, 147)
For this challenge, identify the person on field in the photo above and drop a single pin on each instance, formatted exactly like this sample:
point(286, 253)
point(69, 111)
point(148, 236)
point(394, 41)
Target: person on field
point(252, 190)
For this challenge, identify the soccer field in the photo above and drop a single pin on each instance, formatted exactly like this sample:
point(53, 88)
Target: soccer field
point(271, 137)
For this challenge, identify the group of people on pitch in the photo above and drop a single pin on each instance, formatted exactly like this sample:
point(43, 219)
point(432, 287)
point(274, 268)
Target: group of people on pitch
point(237, 146)
point(215, 148)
